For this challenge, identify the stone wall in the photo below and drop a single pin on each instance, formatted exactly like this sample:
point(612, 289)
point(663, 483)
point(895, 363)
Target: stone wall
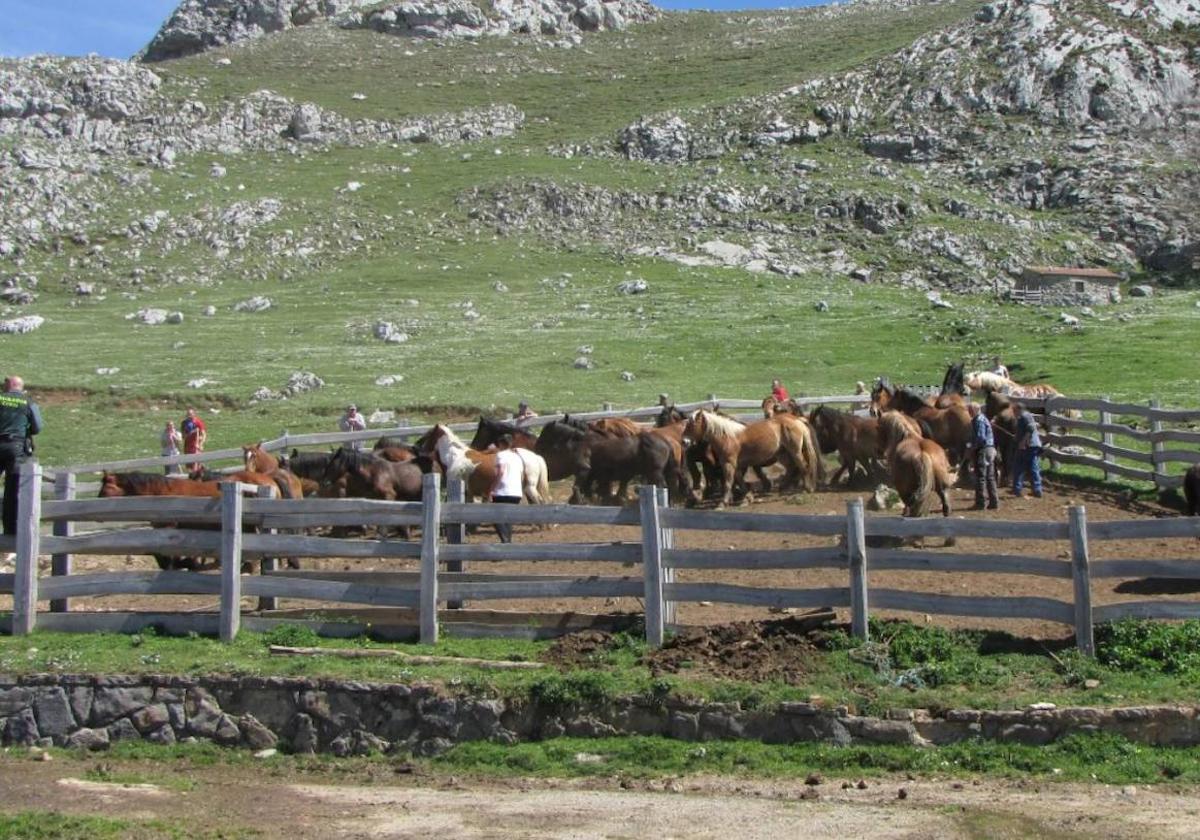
point(348, 718)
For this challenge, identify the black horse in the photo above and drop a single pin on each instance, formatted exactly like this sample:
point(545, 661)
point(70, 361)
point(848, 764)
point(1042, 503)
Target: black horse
point(365, 475)
point(491, 430)
point(1191, 490)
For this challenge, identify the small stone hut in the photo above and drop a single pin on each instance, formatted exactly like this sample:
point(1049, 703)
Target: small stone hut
point(1067, 286)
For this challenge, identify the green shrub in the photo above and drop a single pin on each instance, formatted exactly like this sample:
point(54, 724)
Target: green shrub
point(560, 691)
point(1154, 646)
point(291, 635)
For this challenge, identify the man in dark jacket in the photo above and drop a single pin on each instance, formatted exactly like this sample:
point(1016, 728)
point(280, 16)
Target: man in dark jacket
point(983, 446)
point(20, 420)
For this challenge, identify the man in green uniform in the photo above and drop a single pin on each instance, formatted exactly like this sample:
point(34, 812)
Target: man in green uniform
point(20, 420)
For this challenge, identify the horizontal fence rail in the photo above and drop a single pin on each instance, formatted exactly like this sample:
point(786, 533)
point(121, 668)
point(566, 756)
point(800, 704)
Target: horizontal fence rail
point(234, 528)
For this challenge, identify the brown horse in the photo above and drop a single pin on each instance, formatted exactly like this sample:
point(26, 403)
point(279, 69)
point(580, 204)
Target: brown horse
point(116, 485)
point(783, 437)
point(702, 467)
point(772, 406)
point(365, 475)
point(855, 439)
point(260, 461)
point(615, 427)
point(949, 427)
point(918, 466)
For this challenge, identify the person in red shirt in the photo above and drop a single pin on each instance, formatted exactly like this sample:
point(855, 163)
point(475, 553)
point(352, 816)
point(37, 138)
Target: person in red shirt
point(194, 435)
point(778, 391)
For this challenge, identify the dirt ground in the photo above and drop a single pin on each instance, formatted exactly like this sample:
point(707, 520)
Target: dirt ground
point(1102, 504)
point(232, 801)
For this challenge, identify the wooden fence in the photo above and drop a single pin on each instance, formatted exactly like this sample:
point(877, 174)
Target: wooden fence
point(1146, 454)
point(233, 541)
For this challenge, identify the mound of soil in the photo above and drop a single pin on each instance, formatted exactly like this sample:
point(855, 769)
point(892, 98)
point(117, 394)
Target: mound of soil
point(750, 651)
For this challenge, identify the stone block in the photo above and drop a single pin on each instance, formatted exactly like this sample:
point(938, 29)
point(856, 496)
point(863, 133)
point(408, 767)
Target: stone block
point(14, 700)
point(88, 739)
point(163, 735)
point(150, 717)
point(123, 730)
point(81, 702)
point(256, 735)
point(21, 729)
point(53, 712)
point(304, 735)
point(1023, 733)
point(683, 726)
point(110, 704)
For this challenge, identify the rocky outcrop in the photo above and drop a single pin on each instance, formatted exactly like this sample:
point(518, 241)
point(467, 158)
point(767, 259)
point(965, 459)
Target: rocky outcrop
point(198, 25)
point(353, 718)
point(70, 125)
point(468, 19)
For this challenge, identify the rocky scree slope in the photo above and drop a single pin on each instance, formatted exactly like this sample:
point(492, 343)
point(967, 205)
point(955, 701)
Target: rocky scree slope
point(197, 25)
point(1082, 107)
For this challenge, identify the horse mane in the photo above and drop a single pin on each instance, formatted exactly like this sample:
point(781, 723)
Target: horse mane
point(574, 423)
point(897, 426)
point(136, 483)
point(503, 426)
point(720, 426)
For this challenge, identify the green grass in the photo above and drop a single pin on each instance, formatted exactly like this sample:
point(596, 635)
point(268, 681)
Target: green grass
point(906, 666)
point(50, 825)
point(685, 60)
point(1103, 758)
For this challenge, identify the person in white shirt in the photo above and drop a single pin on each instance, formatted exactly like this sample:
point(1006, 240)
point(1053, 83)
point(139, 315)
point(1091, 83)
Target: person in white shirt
point(507, 488)
point(352, 421)
point(998, 368)
point(170, 440)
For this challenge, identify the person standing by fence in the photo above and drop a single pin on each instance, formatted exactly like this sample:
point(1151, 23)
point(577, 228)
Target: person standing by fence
point(983, 448)
point(195, 435)
point(1028, 448)
point(352, 421)
point(20, 420)
point(778, 391)
point(507, 488)
point(170, 441)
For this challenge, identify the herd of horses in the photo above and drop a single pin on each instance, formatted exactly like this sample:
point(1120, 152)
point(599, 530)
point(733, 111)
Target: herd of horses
point(916, 442)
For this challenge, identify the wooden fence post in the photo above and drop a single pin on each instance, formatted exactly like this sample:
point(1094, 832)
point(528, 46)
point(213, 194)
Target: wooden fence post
point(607, 407)
point(432, 501)
point(29, 520)
point(60, 564)
point(668, 572)
point(1106, 438)
point(652, 564)
point(1081, 575)
point(231, 560)
point(456, 533)
point(1047, 410)
point(268, 564)
point(1156, 427)
point(856, 556)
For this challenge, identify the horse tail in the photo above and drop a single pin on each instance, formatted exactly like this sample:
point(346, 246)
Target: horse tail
point(926, 484)
point(813, 450)
point(283, 481)
point(797, 442)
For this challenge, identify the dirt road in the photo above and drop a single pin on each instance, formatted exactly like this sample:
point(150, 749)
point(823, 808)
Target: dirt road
point(375, 802)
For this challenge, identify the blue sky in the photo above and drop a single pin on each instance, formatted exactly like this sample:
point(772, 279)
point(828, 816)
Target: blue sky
point(119, 28)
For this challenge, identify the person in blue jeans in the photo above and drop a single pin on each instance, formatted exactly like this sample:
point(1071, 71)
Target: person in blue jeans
point(1028, 448)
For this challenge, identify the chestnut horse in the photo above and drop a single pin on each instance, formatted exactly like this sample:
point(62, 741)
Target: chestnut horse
point(855, 439)
point(698, 456)
point(783, 437)
point(918, 466)
point(478, 469)
point(950, 427)
point(258, 460)
point(116, 485)
point(615, 427)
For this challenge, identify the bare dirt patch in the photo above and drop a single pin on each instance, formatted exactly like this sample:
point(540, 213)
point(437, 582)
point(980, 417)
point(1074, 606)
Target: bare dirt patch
point(234, 801)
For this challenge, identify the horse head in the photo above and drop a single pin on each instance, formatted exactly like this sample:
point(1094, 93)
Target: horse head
point(696, 427)
point(110, 486)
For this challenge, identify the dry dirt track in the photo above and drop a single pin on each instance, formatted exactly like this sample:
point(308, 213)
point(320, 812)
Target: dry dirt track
point(1101, 505)
point(380, 804)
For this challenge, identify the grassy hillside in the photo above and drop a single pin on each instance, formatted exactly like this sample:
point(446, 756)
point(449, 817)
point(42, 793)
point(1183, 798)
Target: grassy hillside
point(349, 259)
